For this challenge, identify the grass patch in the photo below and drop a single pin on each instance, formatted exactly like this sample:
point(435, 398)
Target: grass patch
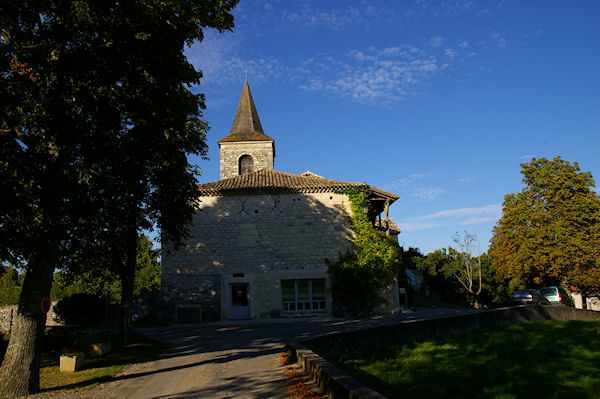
point(96, 370)
point(541, 359)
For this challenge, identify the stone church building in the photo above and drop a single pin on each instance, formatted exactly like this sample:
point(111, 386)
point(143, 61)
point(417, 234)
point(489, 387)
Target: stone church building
point(260, 237)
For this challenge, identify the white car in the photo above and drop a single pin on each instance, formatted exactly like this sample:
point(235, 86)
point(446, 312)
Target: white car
point(556, 296)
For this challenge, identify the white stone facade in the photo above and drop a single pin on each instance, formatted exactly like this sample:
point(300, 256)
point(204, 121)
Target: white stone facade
point(257, 240)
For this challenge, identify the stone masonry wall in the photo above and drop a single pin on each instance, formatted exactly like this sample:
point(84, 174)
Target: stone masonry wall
point(262, 152)
point(8, 314)
point(259, 240)
point(188, 290)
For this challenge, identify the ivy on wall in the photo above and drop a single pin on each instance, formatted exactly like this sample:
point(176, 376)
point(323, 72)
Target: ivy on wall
point(359, 275)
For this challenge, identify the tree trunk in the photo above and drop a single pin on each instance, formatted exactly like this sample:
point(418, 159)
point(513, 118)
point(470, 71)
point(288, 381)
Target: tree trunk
point(20, 370)
point(19, 374)
point(126, 301)
point(127, 279)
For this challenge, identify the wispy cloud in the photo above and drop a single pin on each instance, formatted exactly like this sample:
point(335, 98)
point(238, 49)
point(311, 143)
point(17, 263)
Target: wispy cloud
point(372, 75)
point(466, 179)
point(415, 224)
point(498, 39)
point(527, 156)
point(480, 220)
point(451, 53)
point(216, 57)
point(369, 75)
point(445, 7)
point(464, 212)
point(413, 187)
point(451, 217)
point(428, 194)
point(405, 181)
point(332, 19)
point(436, 41)
point(222, 63)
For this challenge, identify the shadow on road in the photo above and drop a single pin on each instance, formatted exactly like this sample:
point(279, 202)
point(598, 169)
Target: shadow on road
point(235, 386)
point(184, 340)
point(222, 358)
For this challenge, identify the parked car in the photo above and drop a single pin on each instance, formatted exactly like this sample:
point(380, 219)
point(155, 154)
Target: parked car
point(556, 296)
point(528, 297)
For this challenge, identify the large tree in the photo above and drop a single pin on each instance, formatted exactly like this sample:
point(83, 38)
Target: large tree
point(549, 233)
point(96, 119)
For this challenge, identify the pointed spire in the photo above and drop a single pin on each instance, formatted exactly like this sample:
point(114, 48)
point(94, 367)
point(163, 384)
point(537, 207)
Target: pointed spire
point(246, 124)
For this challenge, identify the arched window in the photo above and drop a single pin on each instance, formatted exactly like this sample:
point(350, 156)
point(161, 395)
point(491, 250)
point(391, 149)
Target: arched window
point(246, 164)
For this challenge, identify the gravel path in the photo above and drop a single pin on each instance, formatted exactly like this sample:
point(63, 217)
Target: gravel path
point(225, 359)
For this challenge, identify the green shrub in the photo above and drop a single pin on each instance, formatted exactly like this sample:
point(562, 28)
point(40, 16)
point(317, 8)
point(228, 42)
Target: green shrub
point(10, 289)
point(83, 309)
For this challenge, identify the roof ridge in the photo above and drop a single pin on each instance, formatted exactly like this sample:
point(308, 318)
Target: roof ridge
point(269, 180)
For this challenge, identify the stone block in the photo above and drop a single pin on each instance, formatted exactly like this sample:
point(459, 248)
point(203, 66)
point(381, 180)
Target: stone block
point(100, 349)
point(577, 300)
point(71, 363)
point(593, 303)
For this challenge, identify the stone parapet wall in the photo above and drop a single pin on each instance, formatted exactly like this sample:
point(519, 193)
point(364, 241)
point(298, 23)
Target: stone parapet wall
point(8, 315)
point(422, 330)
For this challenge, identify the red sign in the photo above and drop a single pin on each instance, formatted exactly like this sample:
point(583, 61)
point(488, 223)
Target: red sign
point(46, 304)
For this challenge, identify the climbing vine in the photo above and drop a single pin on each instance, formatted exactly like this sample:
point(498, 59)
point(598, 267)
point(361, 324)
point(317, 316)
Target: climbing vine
point(372, 261)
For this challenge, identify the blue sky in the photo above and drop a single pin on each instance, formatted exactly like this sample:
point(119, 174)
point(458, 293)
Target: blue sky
point(436, 101)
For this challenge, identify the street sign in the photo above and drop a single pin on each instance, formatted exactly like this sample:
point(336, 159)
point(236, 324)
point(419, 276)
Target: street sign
point(46, 304)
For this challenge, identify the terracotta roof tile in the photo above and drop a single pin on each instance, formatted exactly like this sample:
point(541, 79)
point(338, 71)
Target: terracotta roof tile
point(387, 223)
point(270, 181)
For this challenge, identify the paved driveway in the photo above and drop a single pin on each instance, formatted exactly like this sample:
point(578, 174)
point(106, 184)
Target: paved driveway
point(227, 359)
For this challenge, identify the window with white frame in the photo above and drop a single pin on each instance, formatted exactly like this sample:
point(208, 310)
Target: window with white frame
point(303, 295)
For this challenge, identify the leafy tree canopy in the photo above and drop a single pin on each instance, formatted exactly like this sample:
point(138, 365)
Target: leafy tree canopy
point(10, 286)
point(460, 277)
point(549, 233)
point(96, 110)
point(409, 257)
point(98, 280)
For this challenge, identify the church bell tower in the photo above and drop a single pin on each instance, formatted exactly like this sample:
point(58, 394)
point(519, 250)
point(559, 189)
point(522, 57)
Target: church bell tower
point(247, 148)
